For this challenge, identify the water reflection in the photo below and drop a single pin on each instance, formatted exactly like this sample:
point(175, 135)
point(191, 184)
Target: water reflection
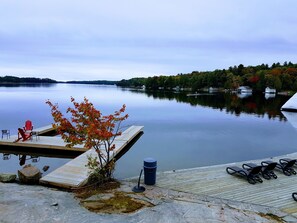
point(6, 156)
point(203, 129)
point(22, 158)
point(244, 95)
point(12, 161)
point(259, 104)
point(268, 95)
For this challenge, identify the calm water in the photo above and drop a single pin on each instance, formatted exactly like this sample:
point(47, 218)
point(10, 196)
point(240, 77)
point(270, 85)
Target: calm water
point(179, 131)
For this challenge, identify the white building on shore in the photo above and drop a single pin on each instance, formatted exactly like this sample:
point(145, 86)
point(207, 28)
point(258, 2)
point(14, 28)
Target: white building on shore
point(269, 90)
point(244, 89)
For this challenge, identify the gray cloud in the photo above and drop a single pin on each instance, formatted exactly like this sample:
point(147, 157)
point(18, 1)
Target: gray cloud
point(68, 40)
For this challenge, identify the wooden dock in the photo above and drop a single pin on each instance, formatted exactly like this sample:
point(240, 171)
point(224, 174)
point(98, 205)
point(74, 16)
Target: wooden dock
point(213, 181)
point(75, 173)
point(42, 143)
point(38, 143)
point(45, 130)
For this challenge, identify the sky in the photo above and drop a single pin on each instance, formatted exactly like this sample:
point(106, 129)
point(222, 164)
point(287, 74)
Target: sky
point(116, 39)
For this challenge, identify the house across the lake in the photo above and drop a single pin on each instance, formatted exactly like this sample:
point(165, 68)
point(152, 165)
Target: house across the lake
point(213, 89)
point(245, 89)
point(269, 90)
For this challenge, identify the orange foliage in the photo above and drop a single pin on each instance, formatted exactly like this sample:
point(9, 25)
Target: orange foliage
point(89, 126)
point(254, 79)
point(276, 71)
point(291, 71)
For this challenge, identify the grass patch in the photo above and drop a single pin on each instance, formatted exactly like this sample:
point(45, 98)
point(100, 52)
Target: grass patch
point(87, 191)
point(271, 216)
point(118, 203)
point(106, 198)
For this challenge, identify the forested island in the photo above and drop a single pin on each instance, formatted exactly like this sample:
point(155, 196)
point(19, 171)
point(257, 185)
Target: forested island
point(277, 76)
point(24, 80)
point(34, 80)
point(101, 82)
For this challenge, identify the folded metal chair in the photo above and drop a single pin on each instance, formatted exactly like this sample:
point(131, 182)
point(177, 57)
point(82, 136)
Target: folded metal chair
point(252, 174)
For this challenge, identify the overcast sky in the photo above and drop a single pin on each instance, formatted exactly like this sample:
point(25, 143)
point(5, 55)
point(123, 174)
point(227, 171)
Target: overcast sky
point(114, 40)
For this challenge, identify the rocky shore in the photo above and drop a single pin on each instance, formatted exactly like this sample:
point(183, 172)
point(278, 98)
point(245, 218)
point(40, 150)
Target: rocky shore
point(34, 203)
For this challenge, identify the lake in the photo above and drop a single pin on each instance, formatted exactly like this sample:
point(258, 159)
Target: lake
point(180, 131)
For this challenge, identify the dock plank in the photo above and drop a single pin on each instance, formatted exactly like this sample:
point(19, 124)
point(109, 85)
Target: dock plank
point(213, 181)
point(43, 142)
point(75, 173)
point(38, 141)
point(44, 129)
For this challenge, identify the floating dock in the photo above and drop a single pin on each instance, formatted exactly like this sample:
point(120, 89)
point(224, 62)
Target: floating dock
point(45, 130)
point(291, 104)
point(39, 143)
point(215, 182)
point(75, 173)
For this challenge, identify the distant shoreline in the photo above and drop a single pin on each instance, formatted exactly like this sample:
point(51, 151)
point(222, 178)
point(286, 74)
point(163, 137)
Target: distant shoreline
point(12, 80)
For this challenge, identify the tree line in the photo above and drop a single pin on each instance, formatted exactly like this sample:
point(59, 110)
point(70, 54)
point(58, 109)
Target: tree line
point(99, 82)
point(33, 80)
point(19, 80)
point(277, 76)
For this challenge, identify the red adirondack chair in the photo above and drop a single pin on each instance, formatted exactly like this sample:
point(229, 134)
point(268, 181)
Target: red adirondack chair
point(23, 135)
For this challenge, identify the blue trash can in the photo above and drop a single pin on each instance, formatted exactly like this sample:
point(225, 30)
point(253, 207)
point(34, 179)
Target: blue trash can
point(150, 169)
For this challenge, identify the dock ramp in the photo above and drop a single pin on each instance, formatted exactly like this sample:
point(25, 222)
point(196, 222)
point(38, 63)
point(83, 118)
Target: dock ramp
point(75, 173)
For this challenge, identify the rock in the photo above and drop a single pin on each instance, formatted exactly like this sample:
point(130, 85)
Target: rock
point(7, 177)
point(29, 175)
point(45, 168)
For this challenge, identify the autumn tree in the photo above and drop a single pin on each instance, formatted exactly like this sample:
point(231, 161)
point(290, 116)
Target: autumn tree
point(89, 127)
point(232, 81)
point(281, 77)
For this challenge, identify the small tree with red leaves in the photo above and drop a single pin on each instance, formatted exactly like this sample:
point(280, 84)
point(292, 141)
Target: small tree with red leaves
point(89, 127)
